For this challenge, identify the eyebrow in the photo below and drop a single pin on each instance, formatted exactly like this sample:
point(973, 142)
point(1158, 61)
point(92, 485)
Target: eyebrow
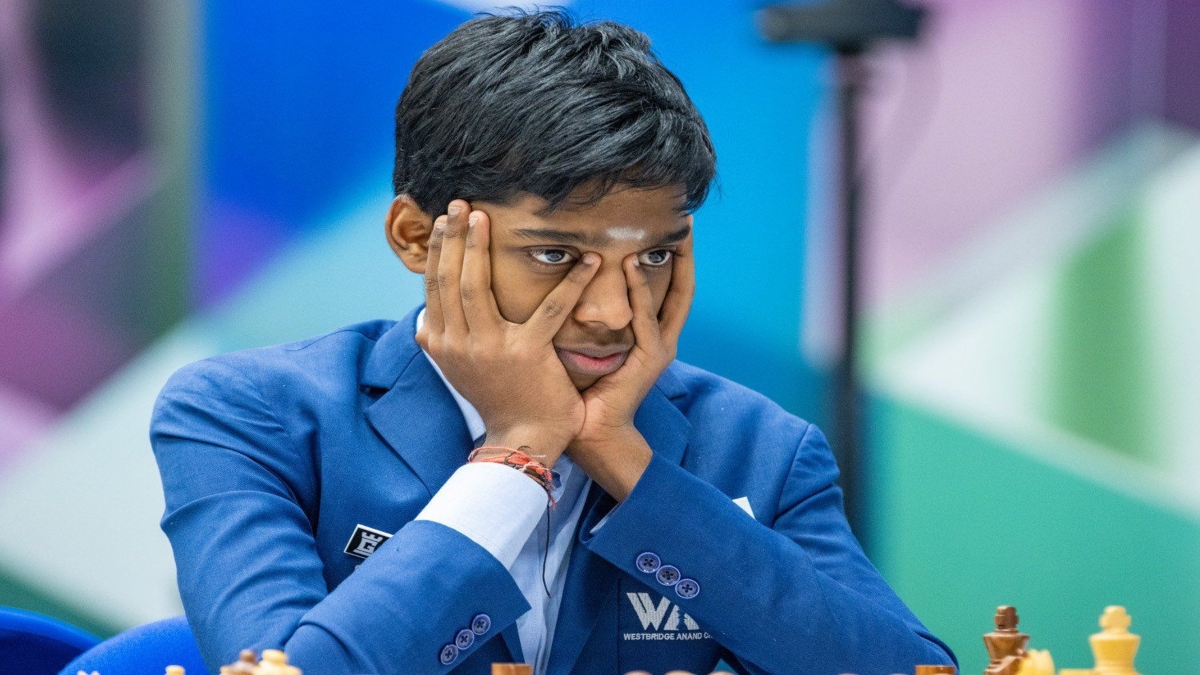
point(568, 237)
point(675, 237)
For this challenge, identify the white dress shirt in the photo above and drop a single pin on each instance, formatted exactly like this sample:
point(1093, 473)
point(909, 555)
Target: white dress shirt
point(507, 513)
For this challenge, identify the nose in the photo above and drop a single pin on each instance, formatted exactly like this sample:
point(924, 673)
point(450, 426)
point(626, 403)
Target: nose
point(606, 299)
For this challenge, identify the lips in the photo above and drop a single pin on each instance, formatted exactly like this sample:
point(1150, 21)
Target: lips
point(597, 361)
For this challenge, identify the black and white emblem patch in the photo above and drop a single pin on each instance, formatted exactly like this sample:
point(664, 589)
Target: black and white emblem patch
point(364, 541)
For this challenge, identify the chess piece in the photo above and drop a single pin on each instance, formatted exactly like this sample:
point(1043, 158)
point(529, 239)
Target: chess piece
point(936, 670)
point(1036, 662)
point(1115, 647)
point(274, 662)
point(512, 669)
point(245, 665)
point(1005, 645)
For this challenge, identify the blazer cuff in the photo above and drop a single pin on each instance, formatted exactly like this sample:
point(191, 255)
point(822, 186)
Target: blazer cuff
point(668, 512)
point(409, 601)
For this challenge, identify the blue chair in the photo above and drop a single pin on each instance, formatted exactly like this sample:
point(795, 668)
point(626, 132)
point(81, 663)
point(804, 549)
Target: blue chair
point(145, 650)
point(32, 644)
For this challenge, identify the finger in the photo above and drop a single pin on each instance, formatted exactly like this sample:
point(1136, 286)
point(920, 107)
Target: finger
point(641, 301)
point(553, 311)
point(450, 267)
point(433, 302)
point(678, 302)
point(475, 288)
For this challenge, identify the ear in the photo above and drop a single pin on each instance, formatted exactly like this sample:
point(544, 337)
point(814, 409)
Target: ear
point(408, 228)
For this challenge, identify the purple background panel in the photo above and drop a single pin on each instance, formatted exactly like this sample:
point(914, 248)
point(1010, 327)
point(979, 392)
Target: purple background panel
point(1181, 63)
point(1000, 99)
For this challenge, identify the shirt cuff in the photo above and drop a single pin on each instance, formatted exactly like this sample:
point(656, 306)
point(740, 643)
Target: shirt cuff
point(493, 505)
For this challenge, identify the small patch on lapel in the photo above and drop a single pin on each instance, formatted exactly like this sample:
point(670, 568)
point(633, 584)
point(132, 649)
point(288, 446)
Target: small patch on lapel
point(364, 541)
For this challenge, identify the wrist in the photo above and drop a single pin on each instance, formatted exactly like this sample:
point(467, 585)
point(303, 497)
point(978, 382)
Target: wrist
point(533, 441)
point(616, 461)
point(601, 436)
point(521, 461)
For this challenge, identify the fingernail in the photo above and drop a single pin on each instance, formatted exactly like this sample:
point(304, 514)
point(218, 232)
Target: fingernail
point(440, 223)
point(473, 219)
point(589, 259)
point(454, 209)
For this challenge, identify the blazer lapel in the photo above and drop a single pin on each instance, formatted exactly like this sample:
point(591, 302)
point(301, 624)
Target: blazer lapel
point(416, 416)
point(590, 589)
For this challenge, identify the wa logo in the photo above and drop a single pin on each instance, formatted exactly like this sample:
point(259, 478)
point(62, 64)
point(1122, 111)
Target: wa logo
point(652, 615)
point(662, 620)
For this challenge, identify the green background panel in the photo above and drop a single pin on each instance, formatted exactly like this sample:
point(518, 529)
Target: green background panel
point(966, 521)
point(1100, 383)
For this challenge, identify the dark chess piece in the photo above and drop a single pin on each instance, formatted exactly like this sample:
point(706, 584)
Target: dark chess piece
point(1006, 645)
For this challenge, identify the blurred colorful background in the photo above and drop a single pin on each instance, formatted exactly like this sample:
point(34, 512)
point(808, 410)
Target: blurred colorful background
point(179, 179)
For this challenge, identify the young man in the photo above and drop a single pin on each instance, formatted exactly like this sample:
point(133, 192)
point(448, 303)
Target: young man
point(324, 497)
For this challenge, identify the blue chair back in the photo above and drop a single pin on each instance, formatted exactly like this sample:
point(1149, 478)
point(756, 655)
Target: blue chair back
point(145, 650)
point(32, 644)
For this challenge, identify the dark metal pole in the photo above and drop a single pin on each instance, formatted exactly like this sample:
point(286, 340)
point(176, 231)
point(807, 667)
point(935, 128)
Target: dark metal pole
point(848, 415)
point(850, 28)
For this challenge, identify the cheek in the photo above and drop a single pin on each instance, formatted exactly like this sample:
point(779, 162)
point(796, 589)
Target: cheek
point(518, 293)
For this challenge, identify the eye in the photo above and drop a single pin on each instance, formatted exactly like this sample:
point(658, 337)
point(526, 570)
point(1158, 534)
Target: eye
point(655, 258)
point(552, 256)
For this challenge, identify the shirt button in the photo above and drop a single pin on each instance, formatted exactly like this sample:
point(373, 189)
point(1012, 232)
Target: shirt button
point(448, 654)
point(648, 563)
point(668, 575)
point(481, 623)
point(687, 588)
point(464, 639)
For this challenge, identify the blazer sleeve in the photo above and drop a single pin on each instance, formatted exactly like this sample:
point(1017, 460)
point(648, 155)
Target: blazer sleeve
point(797, 597)
point(240, 503)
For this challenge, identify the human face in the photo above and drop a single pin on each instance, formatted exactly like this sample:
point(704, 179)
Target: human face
point(531, 253)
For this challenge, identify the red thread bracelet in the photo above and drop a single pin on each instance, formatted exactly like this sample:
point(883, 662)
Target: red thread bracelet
point(521, 461)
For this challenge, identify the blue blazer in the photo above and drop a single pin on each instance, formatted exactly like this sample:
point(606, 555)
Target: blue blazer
point(275, 461)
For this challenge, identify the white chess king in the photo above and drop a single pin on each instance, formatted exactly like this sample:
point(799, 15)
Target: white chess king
point(1115, 647)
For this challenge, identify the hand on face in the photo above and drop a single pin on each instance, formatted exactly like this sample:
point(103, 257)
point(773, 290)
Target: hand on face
point(612, 401)
point(525, 386)
point(508, 371)
point(608, 447)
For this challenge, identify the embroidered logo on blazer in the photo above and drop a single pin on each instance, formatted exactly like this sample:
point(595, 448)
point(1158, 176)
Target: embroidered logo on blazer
point(364, 541)
point(667, 621)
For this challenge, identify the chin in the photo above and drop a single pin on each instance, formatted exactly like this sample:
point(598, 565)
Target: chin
point(581, 381)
